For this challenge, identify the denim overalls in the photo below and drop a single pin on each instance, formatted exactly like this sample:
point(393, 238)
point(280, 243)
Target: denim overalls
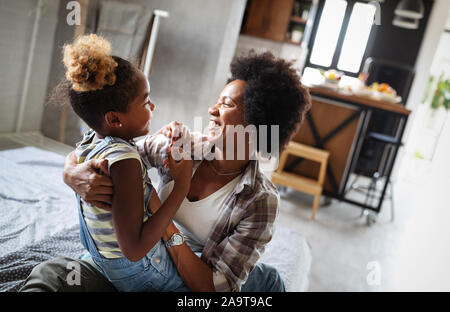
point(155, 272)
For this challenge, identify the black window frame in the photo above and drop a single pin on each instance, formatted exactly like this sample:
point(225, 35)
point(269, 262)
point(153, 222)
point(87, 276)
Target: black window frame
point(340, 42)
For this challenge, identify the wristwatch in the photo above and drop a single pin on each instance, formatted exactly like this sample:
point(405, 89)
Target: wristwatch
point(176, 240)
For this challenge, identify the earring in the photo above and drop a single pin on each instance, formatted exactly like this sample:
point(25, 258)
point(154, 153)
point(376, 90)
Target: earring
point(120, 125)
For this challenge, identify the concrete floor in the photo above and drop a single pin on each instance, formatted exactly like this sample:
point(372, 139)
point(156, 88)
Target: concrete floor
point(411, 253)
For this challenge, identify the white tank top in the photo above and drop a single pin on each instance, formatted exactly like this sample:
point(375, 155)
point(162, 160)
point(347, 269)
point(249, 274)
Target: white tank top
point(195, 219)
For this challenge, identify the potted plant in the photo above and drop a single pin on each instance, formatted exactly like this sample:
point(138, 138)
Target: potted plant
point(297, 33)
point(437, 114)
point(441, 97)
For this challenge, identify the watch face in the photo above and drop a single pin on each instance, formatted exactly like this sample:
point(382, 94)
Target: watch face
point(177, 239)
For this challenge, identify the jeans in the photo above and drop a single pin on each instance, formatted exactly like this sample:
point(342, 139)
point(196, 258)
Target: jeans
point(263, 278)
point(53, 275)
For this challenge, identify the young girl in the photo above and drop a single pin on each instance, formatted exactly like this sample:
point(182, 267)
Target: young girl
point(112, 97)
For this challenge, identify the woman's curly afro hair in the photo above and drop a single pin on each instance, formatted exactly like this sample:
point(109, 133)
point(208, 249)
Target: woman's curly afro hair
point(273, 94)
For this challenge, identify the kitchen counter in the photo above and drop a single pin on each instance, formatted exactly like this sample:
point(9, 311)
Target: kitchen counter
point(397, 108)
point(337, 122)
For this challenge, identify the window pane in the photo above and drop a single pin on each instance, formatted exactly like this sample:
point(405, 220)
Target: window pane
point(328, 32)
point(356, 38)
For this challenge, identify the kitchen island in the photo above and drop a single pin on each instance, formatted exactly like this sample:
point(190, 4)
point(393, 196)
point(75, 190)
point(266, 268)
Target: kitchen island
point(337, 122)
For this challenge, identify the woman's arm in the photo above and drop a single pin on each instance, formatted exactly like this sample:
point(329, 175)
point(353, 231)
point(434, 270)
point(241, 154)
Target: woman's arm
point(196, 274)
point(234, 257)
point(85, 179)
point(96, 189)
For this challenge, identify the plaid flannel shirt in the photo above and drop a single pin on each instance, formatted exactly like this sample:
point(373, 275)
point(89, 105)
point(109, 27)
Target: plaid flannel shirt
point(245, 223)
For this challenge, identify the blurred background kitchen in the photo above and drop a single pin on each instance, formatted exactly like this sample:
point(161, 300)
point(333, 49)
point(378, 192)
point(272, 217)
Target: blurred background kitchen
point(365, 179)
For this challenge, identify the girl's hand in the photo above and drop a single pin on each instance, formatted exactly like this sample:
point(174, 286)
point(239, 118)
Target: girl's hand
point(175, 130)
point(181, 171)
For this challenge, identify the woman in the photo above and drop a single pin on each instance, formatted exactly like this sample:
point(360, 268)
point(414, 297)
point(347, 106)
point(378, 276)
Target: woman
point(231, 206)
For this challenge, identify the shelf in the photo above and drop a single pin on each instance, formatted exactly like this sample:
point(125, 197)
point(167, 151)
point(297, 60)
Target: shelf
point(298, 19)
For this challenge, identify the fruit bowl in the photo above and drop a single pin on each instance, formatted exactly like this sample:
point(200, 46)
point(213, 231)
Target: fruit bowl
point(377, 91)
point(384, 91)
point(332, 76)
point(388, 97)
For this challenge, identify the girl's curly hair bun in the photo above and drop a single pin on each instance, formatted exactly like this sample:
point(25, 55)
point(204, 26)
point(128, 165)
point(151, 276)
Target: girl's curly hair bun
point(89, 65)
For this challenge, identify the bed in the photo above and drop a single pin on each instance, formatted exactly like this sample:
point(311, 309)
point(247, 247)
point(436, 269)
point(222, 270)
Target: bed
point(38, 221)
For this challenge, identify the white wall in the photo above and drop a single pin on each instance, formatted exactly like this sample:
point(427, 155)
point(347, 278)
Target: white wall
point(192, 56)
point(435, 27)
point(427, 131)
point(16, 26)
point(284, 50)
point(441, 60)
point(193, 52)
point(436, 24)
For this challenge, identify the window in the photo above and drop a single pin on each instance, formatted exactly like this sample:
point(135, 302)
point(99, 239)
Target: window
point(342, 35)
point(328, 32)
point(356, 38)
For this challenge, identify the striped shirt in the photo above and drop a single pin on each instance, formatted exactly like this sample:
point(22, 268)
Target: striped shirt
point(99, 221)
point(244, 225)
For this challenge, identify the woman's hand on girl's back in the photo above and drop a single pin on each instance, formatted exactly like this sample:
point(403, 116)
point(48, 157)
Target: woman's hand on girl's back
point(85, 179)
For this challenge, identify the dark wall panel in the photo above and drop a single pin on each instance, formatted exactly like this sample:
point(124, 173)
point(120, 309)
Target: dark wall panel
point(394, 43)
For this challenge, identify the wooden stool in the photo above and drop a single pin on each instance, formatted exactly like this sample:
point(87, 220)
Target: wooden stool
point(300, 183)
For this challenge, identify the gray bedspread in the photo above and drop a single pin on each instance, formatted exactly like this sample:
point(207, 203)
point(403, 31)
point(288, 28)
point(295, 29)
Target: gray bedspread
point(39, 221)
point(38, 217)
